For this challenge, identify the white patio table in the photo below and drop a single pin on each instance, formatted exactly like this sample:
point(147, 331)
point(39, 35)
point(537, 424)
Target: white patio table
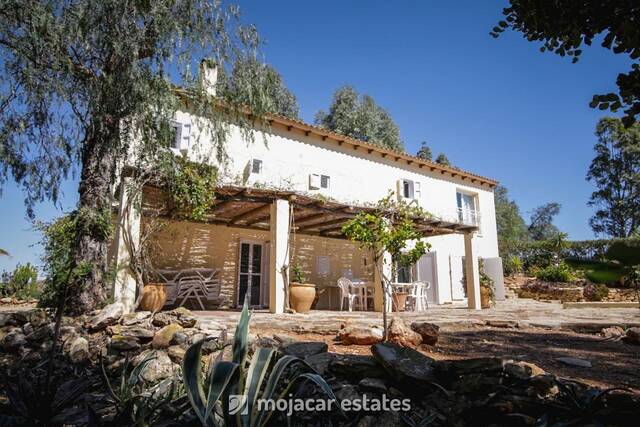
point(363, 286)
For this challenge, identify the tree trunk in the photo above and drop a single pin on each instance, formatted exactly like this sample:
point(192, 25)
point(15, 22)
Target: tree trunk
point(89, 291)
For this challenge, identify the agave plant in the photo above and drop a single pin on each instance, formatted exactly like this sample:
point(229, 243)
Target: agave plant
point(263, 377)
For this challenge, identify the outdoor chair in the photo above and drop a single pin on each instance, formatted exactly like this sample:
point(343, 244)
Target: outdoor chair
point(348, 292)
point(192, 287)
point(417, 298)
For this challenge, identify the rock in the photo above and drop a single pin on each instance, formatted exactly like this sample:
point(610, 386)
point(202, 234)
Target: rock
point(68, 340)
point(408, 366)
point(348, 393)
point(479, 365)
point(209, 327)
point(544, 384)
point(139, 332)
point(163, 337)
point(180, 316)
point(320, 362)
point(360, 335)
point(355, 366)
point(210, 346)
point(27, 328)
point(284, 339)
point(476, 384)
point(574, 361)
point(502, 323)
point(633, 336)
point(67, 332)
point(402, 335)
point(176, 353)
point(428, 331)
point(522, 370)
point(304, 349)
point(372, 384)
point(40, 334)
point(13, 341)
point(180, 338)
point(264, 342)
point(612, 332)
point(158, 368)
point(136, 318)
point(122, 343)
point(79, 350)
point(38, 317)
point(109, 315)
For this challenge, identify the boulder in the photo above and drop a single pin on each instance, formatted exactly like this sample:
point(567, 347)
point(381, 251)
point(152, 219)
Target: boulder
point(479, 365)
point(574, 361)
point(428, 331)
point(38, 317)
point(320, 362)
point(180, 338)
point(304, 349)
point(502, 323)
point(284, 339)
point(354, 366)
point(372, 384)
point(176, 353)
point(142, 333)
point(633, 336)
point(79, 350)
point(360, 335)
point(136, 318)
point(180, 316)
point(157, 368)
point(14, 341)
point(402, 335)
point(408, 366)
point(40, 334)
point(522, 370)
point(612, 332)
point(122, 343)
point(109, 315)
point(163, 337)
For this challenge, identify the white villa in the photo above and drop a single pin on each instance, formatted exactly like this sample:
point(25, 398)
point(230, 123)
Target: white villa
point(296, 188)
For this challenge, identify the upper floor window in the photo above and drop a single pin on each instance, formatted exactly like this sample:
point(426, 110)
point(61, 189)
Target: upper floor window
point(181, 135)
point(468, 208)
point(256, 166)
point(409, 189)
point(317, 181)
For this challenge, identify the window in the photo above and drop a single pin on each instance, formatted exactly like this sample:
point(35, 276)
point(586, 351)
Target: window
point(410, 189)
point(467, 208)
point(317, 181)
point(256, 166)
point(405, 273)
point(181, 135)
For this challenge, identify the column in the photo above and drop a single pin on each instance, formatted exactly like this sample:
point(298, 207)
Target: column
point(472, 273)
point(278, 255)
point(378, 304)
point(127, 237)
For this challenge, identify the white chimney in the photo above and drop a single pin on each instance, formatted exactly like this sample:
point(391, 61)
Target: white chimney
point(209, 76)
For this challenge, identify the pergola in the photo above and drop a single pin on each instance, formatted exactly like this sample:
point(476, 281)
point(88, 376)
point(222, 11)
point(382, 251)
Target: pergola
point(279, 212)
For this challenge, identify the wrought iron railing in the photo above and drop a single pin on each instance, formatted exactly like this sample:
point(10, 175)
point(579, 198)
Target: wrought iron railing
point(469, 217)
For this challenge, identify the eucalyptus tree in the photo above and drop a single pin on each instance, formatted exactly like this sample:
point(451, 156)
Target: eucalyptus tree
point(79, 78)
point(358, 116)
point(565, 27)
point(541, 225)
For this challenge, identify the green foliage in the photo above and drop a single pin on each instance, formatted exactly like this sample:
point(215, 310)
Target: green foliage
point(487, 283)
point(265, 377)
point(512, 264)
point(595, 292)
point(541, 225)
point(442, 159)
point(511, 227)
point(564, 26)
point(138, 403)
point(3, 252)
point(192, 186)
point(621, 261)
point(252, 82)
point(424, 152)
point(556, 273)
point(615, 170)
point(359, 117)
point(298, 274)
point(22, 283)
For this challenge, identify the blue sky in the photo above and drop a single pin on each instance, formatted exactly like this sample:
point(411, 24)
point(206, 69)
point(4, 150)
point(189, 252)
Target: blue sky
point(497, 107)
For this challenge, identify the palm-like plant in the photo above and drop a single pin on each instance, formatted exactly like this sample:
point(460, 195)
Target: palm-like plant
point(262, 379)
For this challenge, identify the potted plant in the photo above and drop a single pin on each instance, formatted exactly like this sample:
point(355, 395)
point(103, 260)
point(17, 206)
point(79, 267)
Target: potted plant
point(399, 300)
point(301, 294)
point(487, 291)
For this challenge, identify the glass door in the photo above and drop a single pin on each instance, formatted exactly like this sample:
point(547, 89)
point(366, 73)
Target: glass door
point(250, 272)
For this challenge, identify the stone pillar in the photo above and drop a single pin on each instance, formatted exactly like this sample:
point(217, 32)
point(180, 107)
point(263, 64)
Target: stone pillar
point(127, 234)
point(472, 273)
point(278, 255)
point(378, 289)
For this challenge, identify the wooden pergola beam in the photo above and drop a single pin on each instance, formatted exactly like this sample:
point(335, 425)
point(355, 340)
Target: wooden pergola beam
point(251, 212)
point(324, 224)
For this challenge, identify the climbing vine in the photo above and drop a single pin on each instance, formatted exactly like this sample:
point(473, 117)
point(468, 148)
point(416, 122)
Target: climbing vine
point(192, 187)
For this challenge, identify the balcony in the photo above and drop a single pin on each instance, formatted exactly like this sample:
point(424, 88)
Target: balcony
point(468, 217)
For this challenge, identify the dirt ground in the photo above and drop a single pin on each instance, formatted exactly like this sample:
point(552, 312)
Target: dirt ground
point(614, 363)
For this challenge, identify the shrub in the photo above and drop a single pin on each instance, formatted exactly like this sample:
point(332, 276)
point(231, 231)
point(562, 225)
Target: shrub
point(22, 283)
point(556, 273)
point(595, 292)
point(512, 264)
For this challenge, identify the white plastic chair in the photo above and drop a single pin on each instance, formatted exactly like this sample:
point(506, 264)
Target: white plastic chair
point(417, 299)
point(347, 291)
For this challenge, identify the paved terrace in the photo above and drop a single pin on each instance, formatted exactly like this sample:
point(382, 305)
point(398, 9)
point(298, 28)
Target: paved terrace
point(526, 312)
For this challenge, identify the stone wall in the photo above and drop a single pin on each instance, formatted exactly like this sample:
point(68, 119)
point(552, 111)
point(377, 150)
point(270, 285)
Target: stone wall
point(569, 292)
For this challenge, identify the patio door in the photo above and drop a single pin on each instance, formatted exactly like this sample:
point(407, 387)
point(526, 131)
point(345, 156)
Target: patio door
point(457, 274)
point(426, 269)
point(250, 271)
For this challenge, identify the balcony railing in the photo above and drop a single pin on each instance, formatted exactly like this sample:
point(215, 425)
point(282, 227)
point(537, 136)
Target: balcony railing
point(469, 217)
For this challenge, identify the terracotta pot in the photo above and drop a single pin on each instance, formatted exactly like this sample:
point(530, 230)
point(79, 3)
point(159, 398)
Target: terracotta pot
point(399, 300)
point(485, 300)
point(301, 296)
point(154, 297)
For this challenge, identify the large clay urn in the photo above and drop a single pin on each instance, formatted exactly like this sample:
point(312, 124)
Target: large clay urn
point(301, 296)
point(154, 297)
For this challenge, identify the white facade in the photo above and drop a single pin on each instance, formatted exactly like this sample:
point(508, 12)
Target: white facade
point(290, 158)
